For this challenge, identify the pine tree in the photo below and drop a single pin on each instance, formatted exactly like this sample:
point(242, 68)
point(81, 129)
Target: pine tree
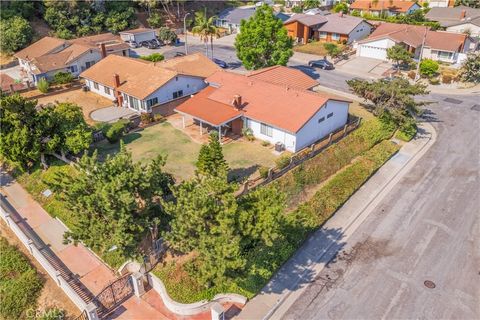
point(211, 161)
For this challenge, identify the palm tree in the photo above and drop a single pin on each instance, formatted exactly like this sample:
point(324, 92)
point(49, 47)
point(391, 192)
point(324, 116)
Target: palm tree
point(206, 29)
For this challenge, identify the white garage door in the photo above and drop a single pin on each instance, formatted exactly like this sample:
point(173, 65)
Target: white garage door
point(372, 52)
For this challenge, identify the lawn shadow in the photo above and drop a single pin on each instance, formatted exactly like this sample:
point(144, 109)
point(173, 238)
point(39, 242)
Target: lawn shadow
point(106, 148)
point(240, 174)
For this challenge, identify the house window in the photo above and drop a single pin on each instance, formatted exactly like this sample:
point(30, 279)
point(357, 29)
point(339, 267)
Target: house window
point(266, 130)
point(88, 64)
point(330, 115)
point(95, 85)
point(134, 103)
point(444, 55)
point(107, 90)
point(152, 102)
point(177, 94)
point(322, 35)
point(73, 68)
point(335, 36)
point(321, 119)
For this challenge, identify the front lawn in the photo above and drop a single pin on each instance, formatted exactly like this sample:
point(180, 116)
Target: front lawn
point(163, 139)
point(315, 47)
point(20, 285)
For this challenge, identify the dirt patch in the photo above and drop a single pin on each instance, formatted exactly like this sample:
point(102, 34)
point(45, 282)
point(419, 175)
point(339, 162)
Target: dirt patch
point(51, 295)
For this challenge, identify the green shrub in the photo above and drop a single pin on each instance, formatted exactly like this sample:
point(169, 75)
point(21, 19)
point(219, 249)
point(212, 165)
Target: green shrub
point(62, 77)
point(265, 143)
point(158, 118)
point(115, 132)
point(146, 118)
point(20, 285)
point(428, 68)
point(263, 171)
point(248, 134)
point(154, 57)
point(283, 161)
point(43, 85)
point(407, 131)
point(434, 81)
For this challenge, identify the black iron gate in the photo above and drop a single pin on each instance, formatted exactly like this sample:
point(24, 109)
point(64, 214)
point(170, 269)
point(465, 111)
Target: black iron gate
point(113, 295)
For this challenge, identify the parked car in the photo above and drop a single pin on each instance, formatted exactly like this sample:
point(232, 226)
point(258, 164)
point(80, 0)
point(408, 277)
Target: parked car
point(152, 44)
point(322, 64)
point(132, 44)
point(222, 64)
point(179, 54)
point(144, 44)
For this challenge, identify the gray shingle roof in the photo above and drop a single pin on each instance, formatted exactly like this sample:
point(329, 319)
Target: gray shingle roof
point(328, 23)
point(453, 16)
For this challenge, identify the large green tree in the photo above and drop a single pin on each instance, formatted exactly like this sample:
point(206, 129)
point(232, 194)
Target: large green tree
point(394, 99)
point(399, 55)
point(20, 138)
point(211, 161)
point(15, 33)
point(263, 40)
point(113, 202)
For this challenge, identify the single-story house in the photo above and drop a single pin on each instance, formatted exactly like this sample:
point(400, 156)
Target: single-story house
point(140, 85)
point(274, 108)
point(48, 56)
point(461, 19)
point(231, 18)
point(438, 3)
point(138, 35)
point(384, 7)
point(330, 28)
point(322, 3)
point(439, 45)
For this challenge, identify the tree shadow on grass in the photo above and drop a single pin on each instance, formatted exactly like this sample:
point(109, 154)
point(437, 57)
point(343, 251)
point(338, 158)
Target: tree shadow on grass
point(240, 174)
point(106, 148)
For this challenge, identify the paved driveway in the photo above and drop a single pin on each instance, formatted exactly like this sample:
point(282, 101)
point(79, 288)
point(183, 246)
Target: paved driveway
point(362, 66)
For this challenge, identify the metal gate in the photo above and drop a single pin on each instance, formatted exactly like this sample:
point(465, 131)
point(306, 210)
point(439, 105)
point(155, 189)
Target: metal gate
point(113, 295)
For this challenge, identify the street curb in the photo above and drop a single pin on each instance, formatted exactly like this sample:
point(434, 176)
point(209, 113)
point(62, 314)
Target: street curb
point(352, 224)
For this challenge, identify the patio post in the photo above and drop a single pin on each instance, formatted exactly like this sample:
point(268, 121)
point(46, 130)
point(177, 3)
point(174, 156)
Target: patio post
point(220, 134)
point(201, 128)
point(183, 122)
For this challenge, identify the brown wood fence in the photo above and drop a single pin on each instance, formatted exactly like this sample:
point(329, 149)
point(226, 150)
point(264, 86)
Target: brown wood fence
point(300, 157)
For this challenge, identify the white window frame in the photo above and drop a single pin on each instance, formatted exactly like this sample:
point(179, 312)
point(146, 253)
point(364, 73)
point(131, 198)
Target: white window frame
point(322, 35)
point(96, 86)
point(266, 130)
point(106, 90)
point(335, 36)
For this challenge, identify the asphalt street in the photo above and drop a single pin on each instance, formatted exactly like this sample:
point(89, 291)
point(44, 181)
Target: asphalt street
point(426, 229)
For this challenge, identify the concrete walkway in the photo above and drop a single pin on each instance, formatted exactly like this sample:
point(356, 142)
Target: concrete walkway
point(111, 114)
point(324, 244)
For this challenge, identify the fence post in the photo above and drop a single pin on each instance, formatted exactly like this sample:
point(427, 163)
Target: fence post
point(330, 139)
point(30, 244)
point(91, 310)
point(345, 130)
point(58, 276)
point(245, 186)
point(137, 282)
point(270, 174)
point(358, 122)
point(7, 218)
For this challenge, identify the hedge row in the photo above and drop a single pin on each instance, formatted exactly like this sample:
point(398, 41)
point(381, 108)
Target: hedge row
point(262, 261)
point(318, 169)
point(20, 285)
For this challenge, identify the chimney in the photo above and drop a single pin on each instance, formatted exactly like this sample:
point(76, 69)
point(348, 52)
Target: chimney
point(463, 14)
point(116, 80)
point(237, 101)
point(104, 51)
point(116, 84)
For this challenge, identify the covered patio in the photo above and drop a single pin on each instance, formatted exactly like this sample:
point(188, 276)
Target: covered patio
point(200, 115)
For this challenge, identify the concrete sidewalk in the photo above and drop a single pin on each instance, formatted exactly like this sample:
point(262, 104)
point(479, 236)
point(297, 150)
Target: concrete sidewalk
point(293, 278)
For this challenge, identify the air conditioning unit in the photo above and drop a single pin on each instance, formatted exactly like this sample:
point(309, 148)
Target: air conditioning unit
point(279, 147)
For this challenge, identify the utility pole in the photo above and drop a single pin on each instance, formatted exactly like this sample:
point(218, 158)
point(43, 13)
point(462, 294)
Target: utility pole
point(417, 75)
point(185, 31)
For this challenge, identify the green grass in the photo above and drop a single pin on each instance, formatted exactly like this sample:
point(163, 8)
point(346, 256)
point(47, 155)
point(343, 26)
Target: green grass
point(262, 261)
point(163, 139)
point(20, 285)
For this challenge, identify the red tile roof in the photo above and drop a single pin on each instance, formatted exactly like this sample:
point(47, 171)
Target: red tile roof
point(281, 106)
point(413, 36)
point(284, 75)
point(207, 110)
point(395, 5)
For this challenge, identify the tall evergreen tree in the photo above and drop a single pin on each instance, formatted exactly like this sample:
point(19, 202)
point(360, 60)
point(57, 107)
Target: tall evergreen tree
point(211, 161)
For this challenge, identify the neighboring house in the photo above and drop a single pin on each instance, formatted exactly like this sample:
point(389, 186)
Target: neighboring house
point(8, 84)
point(231, 18)
point(322, 3)
point(138, 35)
point(330, 28)
point(459, 19)
point(48, 56)
point(384, 7)
point(439, 45)
point(438, 3)
point(274, 104)
point(140, 85)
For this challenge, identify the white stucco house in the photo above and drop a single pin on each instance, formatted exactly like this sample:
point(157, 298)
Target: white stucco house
point(278, 109)
point(48, 56)
point(141, 85)
point(439, 45)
